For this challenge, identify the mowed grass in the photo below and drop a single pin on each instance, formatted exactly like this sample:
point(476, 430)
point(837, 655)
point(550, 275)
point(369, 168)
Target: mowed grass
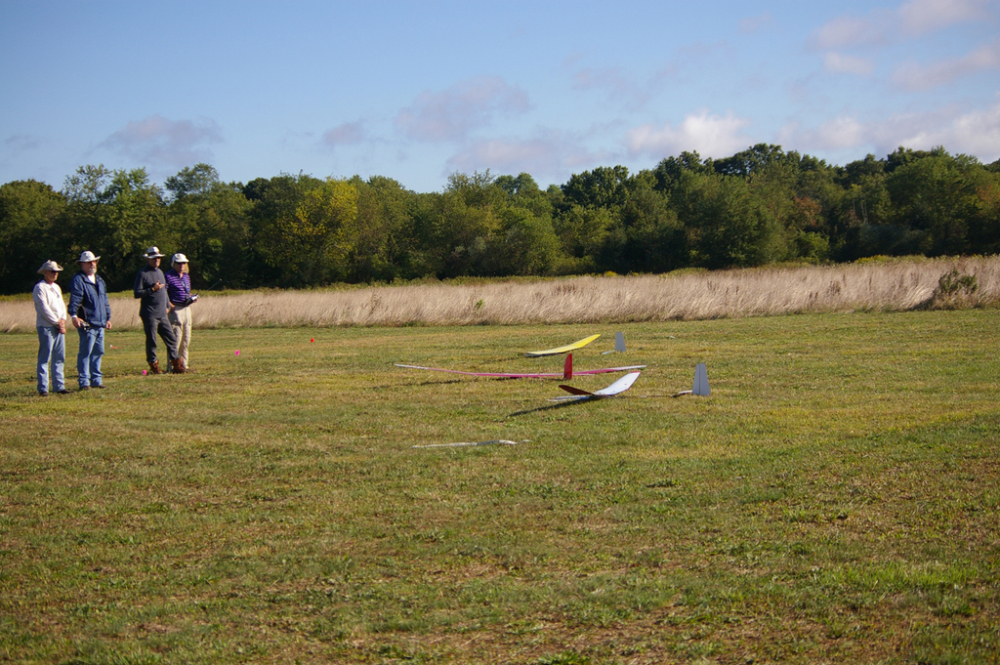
point(834, 500)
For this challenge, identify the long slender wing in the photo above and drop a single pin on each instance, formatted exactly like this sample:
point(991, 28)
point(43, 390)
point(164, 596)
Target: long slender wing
point(619, 386)
point(498, 375)
point(616, 388)
point(567, 373)
point(563, 349)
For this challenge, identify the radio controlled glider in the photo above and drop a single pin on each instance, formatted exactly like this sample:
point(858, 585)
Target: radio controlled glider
point(566, 374)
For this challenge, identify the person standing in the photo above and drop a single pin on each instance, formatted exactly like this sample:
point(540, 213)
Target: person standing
point(50, 319)
point(179, 294)
point(149, 287)
point(91, 312)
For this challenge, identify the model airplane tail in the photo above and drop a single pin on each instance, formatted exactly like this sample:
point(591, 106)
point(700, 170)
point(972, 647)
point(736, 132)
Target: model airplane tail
point(619, 344)
point(568, 367)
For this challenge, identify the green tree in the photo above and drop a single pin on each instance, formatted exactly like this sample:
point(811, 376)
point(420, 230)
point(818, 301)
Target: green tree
point(309, 244)
point(197, 180)
point(646, 235)
point(727, 225)
point(603, 187)
point(271, 200)
point(32, 230)
point(115, 214)
point(209, 222)
point(668, 172)
point(748, 163)
point(524, 244)
point(582, 233)
point(936, 197)
point(385, 246)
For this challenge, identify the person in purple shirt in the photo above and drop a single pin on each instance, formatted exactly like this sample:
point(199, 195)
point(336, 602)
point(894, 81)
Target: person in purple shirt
point(149, 286)
point(179, 294)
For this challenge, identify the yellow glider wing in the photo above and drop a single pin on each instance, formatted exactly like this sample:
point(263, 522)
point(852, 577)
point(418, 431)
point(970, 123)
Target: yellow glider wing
point(563, 349)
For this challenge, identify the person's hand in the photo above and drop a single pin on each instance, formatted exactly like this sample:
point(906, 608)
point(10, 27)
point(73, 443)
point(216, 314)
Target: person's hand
point(76, 322)
point(62, 326)
point(157, 287)
point(108, 326)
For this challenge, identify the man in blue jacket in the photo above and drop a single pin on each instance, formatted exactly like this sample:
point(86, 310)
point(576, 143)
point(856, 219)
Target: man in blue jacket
point(150, 286)
point(91, 316)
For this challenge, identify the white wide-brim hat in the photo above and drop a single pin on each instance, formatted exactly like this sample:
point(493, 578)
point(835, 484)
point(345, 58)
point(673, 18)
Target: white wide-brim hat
point(49, 265)
point(87, 257)
point(153, 253)
point(179, 258)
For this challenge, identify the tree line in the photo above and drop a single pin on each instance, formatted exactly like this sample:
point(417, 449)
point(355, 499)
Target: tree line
point(760, 206)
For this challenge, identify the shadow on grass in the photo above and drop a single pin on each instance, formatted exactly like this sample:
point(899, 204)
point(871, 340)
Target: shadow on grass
point(548, 407)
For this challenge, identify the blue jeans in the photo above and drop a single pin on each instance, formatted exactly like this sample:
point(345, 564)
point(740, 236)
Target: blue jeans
point(51, 348)
point(88, 360)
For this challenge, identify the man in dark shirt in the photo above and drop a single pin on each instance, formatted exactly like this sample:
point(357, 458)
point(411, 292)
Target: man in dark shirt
point(150, 288)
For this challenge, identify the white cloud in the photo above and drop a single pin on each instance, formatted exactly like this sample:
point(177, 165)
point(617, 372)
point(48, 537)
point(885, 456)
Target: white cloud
point(846, 31)
point(843, 132)
point(913, 76)
point(450, 115)
point(974, 133)
point(754, 24)
point(912, 18)
point(158, 141)
point(847, 64)
point(348, 133)
point(614, 82)
point(553, 155)
point(710, 135)
point(920, 16)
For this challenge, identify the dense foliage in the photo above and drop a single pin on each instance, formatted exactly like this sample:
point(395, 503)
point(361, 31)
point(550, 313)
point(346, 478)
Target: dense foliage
point(760, 206)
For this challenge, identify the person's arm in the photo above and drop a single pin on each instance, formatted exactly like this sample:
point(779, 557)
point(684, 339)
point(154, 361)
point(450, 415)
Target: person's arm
point(75, 300)
point(140, 289)
point(174, 288)
point(60, 306)
point(103, 293)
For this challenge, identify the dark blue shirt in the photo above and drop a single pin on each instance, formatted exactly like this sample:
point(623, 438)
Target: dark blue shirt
point(153, 303)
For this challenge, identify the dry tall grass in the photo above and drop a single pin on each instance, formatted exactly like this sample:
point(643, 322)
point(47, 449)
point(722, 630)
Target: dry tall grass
point(871, 285)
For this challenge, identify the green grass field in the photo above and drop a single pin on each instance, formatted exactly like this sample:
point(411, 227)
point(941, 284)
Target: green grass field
point(834, 500)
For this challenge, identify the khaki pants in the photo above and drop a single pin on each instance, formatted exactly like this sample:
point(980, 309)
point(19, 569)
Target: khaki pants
point(180, 321)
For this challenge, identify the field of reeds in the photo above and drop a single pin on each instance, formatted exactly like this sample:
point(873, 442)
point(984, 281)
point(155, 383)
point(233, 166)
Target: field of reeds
point(874, 285)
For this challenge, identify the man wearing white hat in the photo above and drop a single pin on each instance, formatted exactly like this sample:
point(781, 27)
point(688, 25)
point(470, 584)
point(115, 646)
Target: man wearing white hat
point(150, 288)
point(179, 294)
point(50, 319)
point(91, 311)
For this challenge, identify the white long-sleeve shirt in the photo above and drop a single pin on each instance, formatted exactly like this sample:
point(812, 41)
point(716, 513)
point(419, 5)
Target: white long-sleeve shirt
point(49, 305)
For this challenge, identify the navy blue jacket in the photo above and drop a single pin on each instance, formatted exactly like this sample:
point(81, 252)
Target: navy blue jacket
point(89, 301)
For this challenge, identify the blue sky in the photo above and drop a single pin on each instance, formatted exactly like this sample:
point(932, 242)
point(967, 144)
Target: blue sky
point(417, 90)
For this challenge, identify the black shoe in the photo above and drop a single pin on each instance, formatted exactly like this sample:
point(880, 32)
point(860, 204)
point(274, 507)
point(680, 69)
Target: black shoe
point(82, 388)
point(63, 392)
point(98, 385)
point(43, 394)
